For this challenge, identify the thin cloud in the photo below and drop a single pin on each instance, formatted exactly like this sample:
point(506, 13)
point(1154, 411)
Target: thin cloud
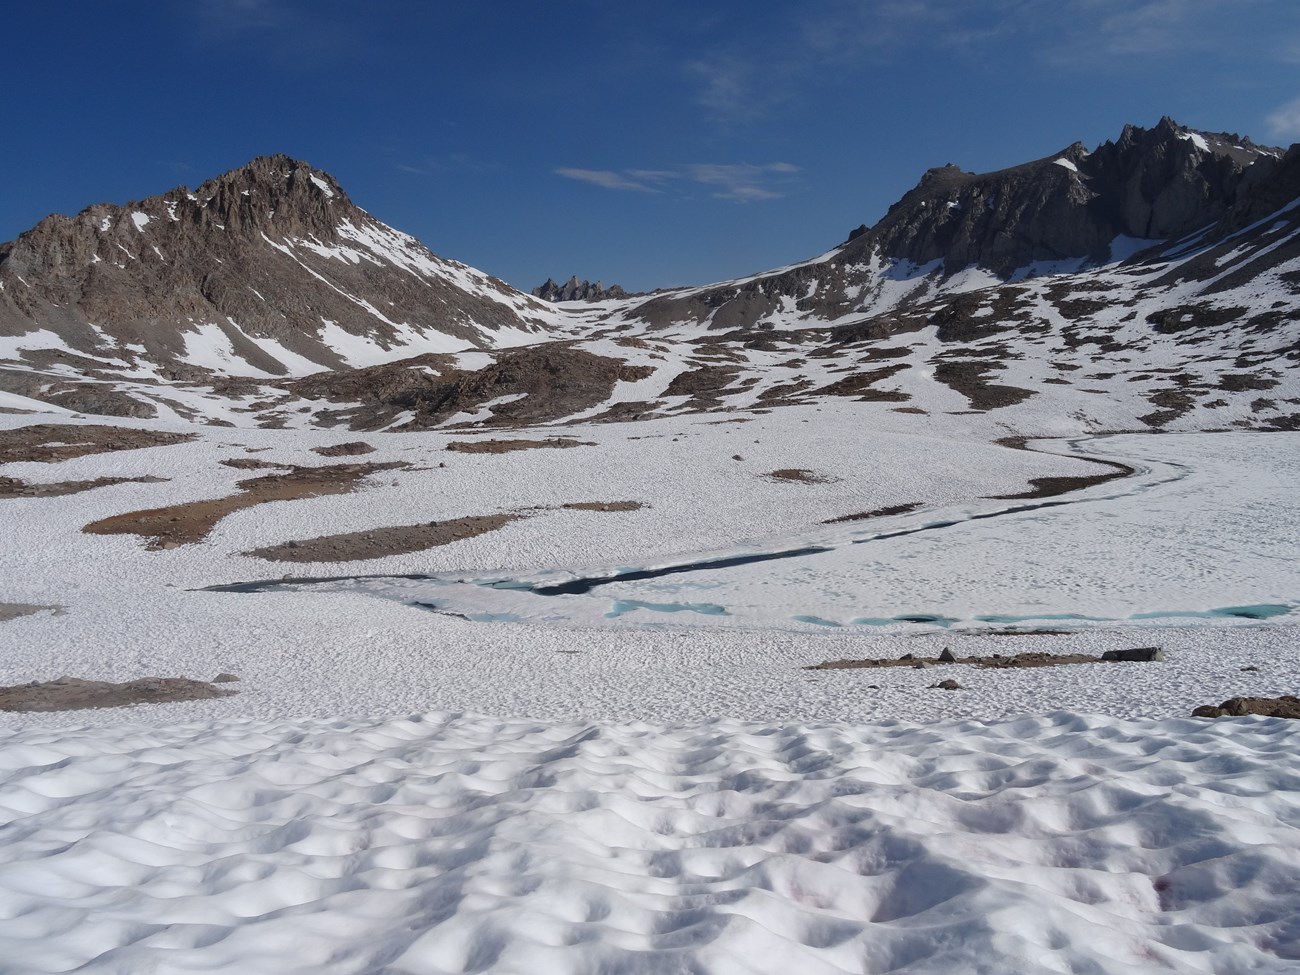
point(737, 182)
point(1284, 121)
point(605, 178)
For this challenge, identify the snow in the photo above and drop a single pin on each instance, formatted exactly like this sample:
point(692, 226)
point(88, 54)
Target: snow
point(12, 401)
point(140, 219)
point(12, 346)
point(442, 842)
point(1066, 164)
point(1196, 139)
point(323, 186)
point(209, 347)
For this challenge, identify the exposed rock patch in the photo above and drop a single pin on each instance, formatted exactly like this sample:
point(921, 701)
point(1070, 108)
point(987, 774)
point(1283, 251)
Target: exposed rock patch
point(48, 443)
point(185, 524)
point(11, 487)
point(353, 448)
point(885, 512)
point(12, 611)
point(376, 543)
point(509, 446)
point(73, 694)
point(1285, 706)
point(800, 475)
point(1034, 658)
point(603, 506)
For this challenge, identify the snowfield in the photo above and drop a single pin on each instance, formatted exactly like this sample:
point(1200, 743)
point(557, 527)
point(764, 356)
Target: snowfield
point(662, 791)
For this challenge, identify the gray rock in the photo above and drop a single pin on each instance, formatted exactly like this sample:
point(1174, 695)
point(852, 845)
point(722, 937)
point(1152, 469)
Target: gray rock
point(1136, 654)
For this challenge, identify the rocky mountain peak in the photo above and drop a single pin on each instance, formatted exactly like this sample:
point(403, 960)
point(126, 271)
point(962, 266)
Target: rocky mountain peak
point(575, 290)
point(267, 268)
point(275, 194)
point(1148, 184)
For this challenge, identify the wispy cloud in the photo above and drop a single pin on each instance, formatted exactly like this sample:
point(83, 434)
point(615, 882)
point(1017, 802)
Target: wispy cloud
point(1284, 121)
point(737, 182)
point(606, 178)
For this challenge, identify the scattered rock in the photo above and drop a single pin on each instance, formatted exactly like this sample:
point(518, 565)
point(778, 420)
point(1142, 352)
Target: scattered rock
point(947, 685)
point(1249, 669)
point(603, 505)
point(1270, 707)
point(996, 661)
point(224, 678)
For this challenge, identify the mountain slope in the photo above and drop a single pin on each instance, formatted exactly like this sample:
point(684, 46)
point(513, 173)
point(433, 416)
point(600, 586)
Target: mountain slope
point(1020, 302)
point(267, 270)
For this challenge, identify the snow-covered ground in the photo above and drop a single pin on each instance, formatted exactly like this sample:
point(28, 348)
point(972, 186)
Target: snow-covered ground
point(661, 791)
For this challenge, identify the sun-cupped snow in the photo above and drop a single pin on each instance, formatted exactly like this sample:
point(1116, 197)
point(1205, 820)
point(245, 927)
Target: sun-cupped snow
point(443, 842)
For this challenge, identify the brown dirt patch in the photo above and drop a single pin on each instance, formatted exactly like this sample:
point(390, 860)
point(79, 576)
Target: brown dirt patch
point(996, 661)
point(185, 524)
point(799, 474)
point(603, 506)
point(893, 509)
point(48, 443)
point(353, 448)
point(72, 693)
point(1285, 706)
point(11, 611)
point(506, 446)
point(375, 543)
point(12, 487)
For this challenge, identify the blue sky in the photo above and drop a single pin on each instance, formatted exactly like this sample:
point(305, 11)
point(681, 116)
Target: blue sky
point(645, 144)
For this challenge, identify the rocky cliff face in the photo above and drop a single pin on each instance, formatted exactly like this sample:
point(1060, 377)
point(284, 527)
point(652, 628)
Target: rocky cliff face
point(1150, 184)
point(267, 269)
